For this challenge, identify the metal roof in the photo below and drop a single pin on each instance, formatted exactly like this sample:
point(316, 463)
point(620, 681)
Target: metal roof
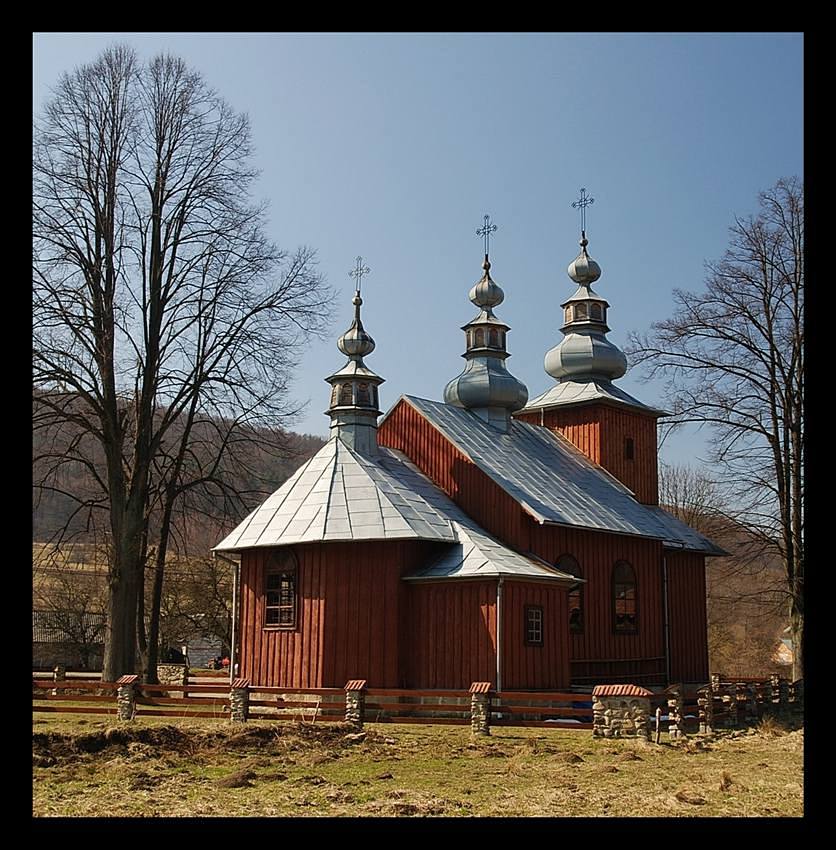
point(682, 536)
point(341, 495)
point(578, 392)
point(551, 479)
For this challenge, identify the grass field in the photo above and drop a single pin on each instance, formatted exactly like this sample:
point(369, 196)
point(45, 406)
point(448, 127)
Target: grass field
point(152, 767)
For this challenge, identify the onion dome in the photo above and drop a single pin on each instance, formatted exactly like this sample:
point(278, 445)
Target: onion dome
point(486, 386)
point(354, 398)
point(585, 353)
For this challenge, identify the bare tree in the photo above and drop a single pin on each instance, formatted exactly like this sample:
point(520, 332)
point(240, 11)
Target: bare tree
point(159, 303)
point(733, 359)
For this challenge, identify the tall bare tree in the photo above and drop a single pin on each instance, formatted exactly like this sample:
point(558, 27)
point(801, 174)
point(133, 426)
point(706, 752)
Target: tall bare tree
point(159, 303)
point(733, 359)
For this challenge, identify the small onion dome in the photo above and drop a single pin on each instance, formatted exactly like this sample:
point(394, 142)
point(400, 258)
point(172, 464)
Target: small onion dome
point(486, 293)
point(583, 269)
point(585, 355)
point(355, 342)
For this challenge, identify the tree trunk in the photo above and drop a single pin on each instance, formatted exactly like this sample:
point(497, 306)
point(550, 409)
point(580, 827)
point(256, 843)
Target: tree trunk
point(797, 632)
point(120, 643)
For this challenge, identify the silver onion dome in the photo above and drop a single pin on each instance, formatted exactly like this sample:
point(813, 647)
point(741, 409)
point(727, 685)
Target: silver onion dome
point(356, 342)
point(585, 353)
point(485, 386)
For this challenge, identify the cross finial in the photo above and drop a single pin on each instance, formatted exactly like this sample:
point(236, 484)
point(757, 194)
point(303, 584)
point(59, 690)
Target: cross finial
point(582, 203)
point(358, 271)
point(485, 230)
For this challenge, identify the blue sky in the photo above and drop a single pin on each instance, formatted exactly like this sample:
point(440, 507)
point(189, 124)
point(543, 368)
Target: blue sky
point(393, 146)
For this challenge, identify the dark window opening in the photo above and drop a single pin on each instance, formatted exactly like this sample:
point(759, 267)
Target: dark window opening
point(595, 312)
point(567, 313)
point(345, 394)
point(363, 395)
point(624, 598)
point(568, 564)
point(533, 625)
point(628, 448)
point(494, 338)
point(280, 591)
point(479, 338)
point(580, 311)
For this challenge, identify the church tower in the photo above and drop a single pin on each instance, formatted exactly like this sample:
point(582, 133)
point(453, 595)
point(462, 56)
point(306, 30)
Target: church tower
point(354, 401)
point(486, 387)
point(607, 424)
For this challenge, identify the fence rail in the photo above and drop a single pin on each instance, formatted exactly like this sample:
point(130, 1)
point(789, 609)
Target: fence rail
point(719, 704)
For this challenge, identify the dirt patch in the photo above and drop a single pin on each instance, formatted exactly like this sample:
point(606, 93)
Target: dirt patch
point(690, 797)
point(241, 779)
point(568, 758)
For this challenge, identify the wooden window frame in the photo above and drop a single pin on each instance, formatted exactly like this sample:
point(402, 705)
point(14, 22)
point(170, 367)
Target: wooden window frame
point(282, 564)
point(529, 641)
point(630, 629)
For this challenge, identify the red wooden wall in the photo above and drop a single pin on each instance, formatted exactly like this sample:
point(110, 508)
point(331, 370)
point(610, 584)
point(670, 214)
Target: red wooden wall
point(540, 667)
point(348, 612)
point(452, 634)
point(687, 611)
point(599, 431)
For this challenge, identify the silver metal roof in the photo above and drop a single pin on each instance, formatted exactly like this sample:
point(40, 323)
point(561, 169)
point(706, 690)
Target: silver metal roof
point(340, 495)
point(550, 478)
point(682, 536)
point(577, 392)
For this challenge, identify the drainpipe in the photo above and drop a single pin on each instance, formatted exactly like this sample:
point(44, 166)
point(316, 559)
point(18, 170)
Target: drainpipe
point(667, 619)
point(499, 635)
point(233, 640)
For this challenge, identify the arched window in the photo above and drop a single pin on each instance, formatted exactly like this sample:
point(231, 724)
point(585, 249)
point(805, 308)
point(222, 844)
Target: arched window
point(595, 312)
point(567, 315)
point(363, 395)
point(335, 393)
point(345, 394)
point(480, 338)
point(494, 338)
point(280, 590)
point(569, 565)
point(624, 598)
point(580, 311)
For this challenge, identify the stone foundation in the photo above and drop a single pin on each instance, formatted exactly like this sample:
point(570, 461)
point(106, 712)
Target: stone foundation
point(621, 711)
point(173, 674)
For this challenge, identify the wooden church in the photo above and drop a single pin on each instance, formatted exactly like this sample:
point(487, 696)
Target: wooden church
point(482, 538)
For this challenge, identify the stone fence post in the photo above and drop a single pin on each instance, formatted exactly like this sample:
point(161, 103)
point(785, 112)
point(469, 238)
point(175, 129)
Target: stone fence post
point(675, 711)
point(239, 700)
point(480, 708)
point(355, 702)
point(783, 697)
point(715, 683)
point(126, 697)
point(59, 674)
point(705, 701)
point(730, 705)
point(796, 695)
point(775, 691)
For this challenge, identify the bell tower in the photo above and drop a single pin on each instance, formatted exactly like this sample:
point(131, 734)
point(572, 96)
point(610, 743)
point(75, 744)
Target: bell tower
point(607, 424)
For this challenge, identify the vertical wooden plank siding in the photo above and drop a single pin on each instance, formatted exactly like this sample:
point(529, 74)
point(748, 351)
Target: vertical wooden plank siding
point(347, 615)
point(473, 491)
point(599, 431)
point(534, 667)
point(596, 554)
point(689, 626)
point(452, 640)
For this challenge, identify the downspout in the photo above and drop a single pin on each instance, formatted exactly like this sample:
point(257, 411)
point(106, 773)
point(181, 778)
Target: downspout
point(667, 619)
point(499, 635)
point(233, 639)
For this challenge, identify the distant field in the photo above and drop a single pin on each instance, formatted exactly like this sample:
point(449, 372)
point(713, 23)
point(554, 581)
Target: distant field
point(91, 767)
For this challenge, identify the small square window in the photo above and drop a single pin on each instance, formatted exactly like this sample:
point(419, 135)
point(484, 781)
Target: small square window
point(533, 625)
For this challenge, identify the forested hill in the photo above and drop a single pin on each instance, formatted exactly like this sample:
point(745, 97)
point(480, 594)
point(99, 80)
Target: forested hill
point(52, 511)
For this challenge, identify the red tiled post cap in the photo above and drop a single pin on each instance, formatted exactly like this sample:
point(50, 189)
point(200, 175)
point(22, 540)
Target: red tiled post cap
point(620, 691)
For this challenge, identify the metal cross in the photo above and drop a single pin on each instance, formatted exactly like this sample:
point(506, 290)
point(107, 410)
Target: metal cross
point(583, 202)
point(486, 230)
point(358, 271)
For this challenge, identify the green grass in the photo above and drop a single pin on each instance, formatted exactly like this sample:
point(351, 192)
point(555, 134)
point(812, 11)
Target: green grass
point(152, 767)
